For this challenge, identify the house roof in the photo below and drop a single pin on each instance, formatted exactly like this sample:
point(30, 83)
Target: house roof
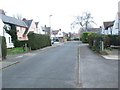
point(55, 32)
point(108, 24)
point(28, 23)
point(12, 20)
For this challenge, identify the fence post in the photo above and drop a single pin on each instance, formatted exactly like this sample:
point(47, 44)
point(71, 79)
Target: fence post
point(25, 47)
point(102, 45)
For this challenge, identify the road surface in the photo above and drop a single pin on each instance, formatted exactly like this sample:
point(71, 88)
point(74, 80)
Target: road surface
point(52, 68)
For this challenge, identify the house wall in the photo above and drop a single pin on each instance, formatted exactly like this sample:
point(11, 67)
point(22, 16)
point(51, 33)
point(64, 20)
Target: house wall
point(20, 32)
point(8, 40)
point(1, 27)
point(40, 29)
point(7, 36)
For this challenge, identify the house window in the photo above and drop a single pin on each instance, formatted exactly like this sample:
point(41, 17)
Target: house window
point(19, 38)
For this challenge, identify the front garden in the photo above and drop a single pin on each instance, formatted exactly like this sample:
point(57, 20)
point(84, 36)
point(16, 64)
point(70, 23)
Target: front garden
point(34, 42)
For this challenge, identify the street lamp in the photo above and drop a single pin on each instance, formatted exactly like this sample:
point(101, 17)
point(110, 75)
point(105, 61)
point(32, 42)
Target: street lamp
point(50, 24)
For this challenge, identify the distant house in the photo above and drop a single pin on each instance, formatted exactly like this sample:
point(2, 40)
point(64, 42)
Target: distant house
point(57, 34)
point(31, 27)
point(108, 27)
point(45, 30)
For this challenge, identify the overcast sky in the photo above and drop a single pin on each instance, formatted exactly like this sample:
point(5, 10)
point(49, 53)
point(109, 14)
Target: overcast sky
point(63, 11)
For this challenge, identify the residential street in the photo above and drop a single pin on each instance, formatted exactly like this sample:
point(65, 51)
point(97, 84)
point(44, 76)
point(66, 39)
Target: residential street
point(58, 68)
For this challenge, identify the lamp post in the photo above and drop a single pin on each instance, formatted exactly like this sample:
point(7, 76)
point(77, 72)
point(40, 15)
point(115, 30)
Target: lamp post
point(50, 24)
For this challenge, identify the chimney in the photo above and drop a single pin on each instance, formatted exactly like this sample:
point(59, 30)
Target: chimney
point(2, 11)
point(24, 19)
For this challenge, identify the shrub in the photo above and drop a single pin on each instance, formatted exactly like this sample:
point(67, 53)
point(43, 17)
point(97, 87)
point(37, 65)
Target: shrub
point(3, 47)
point(84, 37)
point(76, 39)
point(37, 41)
point(95, 41)
point(114, 40)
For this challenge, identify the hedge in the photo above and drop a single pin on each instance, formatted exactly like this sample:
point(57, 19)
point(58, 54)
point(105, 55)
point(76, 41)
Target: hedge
point(95, 41)
point(84, 37)
point(3, 46)
point(114, 40)
point(37, 41)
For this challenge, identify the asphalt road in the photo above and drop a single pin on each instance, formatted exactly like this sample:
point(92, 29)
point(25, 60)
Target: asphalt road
point(58, 68)
point(52, 68)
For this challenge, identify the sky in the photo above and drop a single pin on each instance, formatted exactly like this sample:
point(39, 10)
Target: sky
point(63, 11)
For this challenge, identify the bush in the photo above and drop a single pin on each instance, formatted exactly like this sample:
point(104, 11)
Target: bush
point(68, 39)
point(20, 43)
point(84, 37)
point(3, 46)
point(114, 40)
point(95, 41)
point(37, 41)
point(76, 39)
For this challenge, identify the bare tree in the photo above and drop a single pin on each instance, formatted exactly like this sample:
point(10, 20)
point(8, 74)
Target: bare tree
point(85, 21)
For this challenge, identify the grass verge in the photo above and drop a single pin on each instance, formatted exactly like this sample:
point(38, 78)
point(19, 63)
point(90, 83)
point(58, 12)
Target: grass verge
point(11, 51)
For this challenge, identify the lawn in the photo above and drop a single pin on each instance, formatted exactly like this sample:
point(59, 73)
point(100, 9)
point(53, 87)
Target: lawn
point(16, 50)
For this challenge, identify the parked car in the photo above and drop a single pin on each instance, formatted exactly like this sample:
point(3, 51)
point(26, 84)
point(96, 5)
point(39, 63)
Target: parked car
point(52, 42)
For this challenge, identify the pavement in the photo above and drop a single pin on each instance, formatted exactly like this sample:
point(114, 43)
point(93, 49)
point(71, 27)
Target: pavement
point(97, 71)
point(14, 59)
point(112, 55)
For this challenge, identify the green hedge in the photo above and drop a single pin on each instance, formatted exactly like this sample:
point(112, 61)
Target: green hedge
point(37, 41)
point(3, 46)
point(114, 40)
point(76, 39)
point(95, 41)
point(20, 43)
point(84, 37)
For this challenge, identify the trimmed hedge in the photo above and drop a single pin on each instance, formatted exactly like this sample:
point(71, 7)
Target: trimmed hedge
point(95, 41)
point(114, 40)
point(84, 37)
point(3, 47)
point(76, 39)
point(37, 41)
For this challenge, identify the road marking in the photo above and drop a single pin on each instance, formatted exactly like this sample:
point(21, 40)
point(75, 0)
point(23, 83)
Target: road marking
point(79, 82)
point(78, 68)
